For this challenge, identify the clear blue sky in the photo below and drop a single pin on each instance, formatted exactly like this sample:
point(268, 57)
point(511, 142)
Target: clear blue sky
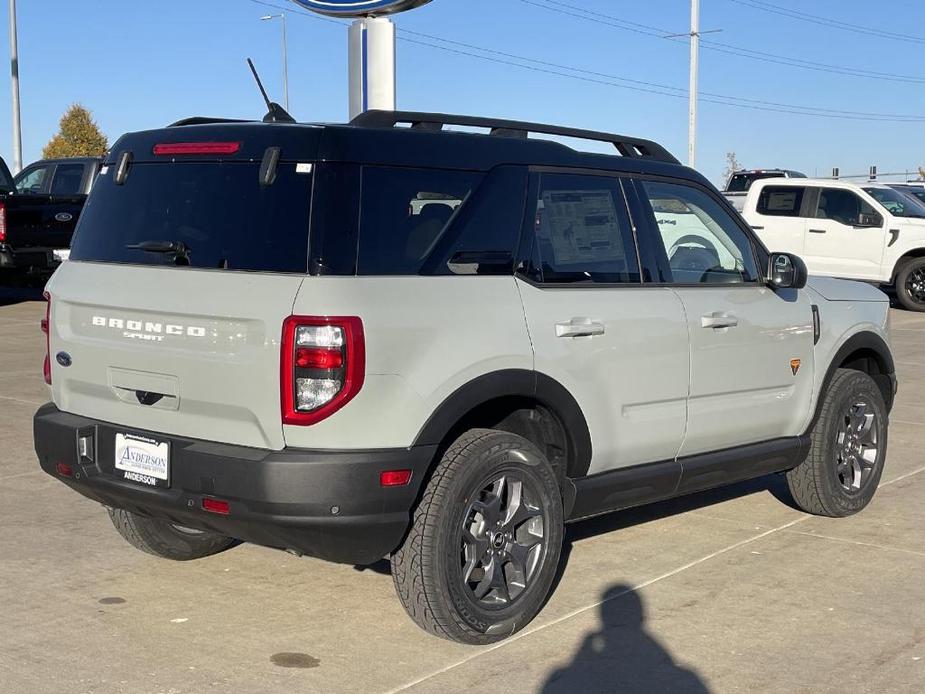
point(139, 65)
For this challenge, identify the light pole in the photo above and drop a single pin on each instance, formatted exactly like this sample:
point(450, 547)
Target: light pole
point(695, 69)
point(14, 68)
point(282, 17)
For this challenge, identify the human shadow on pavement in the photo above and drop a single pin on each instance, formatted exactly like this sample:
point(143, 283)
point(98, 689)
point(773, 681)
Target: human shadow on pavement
point(621, 657)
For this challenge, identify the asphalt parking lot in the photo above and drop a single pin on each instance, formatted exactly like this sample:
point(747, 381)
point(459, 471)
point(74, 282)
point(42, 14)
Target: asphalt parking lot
point(728, 591)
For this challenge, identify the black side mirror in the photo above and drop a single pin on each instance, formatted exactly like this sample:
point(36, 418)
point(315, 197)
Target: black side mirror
point(869, 220)
point(786, 271)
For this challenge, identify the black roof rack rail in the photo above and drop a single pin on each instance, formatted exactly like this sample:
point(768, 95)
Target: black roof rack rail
point(205, 120)
point(627, 146)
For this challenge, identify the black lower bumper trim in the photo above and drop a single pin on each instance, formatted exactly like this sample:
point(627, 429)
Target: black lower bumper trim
point(326, 504)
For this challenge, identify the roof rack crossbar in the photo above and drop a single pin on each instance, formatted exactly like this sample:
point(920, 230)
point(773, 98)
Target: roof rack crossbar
point(631, 147)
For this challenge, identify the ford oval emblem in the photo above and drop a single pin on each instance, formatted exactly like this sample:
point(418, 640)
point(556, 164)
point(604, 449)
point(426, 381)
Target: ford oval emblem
point(63, 217)
point(64, 359)
point(359, 8)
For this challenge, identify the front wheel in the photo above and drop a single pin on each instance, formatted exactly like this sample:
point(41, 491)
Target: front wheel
point(842, 471)
point(483, 549)
point(910, 285)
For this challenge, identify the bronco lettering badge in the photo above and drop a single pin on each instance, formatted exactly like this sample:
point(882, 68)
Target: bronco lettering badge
point(795, 365)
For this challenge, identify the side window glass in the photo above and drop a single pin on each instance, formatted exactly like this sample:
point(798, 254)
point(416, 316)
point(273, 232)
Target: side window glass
point(781, 201)
point(67, 179)
point(702, 242)
point(583, 234)
point(482, 239)
point(844, 207)
point(405, 214)
point(33, 181)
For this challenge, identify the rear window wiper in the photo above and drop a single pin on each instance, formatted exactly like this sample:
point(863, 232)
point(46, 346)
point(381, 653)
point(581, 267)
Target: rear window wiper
point(178, 251)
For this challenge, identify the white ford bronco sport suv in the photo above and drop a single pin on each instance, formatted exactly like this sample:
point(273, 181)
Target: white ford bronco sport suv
point(868, 231)
point(358, 341)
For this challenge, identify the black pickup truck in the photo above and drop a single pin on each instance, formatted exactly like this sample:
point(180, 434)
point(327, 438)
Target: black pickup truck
point(38, 212)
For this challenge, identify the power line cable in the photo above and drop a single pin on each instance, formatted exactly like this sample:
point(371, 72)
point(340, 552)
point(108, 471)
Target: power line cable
point(590, 76)
point(829, 22)
point(718, 46)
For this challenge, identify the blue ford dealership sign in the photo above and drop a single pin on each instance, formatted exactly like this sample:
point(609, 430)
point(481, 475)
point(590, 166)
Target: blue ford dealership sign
point(359, 8)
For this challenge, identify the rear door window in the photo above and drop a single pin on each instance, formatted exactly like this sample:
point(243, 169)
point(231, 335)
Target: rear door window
point(221, 214)
point(404, 215)
point(781, 201)
point(582, 231)
point(67, 179)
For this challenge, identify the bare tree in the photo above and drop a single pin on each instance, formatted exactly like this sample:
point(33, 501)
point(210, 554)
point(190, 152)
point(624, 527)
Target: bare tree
point(732, 165)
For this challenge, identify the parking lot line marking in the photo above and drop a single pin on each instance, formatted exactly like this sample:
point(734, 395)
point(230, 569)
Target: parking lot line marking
point(20, 474)
point(20, 400)
point(636, 588)
point(904, 421)
point(582, 610)
point(903, 477)
point(856, 542)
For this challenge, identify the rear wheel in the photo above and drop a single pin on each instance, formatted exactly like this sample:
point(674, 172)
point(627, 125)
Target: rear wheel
point(910, 284)
point(842, 471)
point(164, 539)
point(484, 546)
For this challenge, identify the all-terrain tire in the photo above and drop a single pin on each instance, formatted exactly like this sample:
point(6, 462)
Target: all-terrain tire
point(909, 300)
point(430, 568)
point(163, 539)
point(817, 484)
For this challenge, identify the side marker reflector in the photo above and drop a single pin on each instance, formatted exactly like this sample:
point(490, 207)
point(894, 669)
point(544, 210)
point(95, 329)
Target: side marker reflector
point(394, 478)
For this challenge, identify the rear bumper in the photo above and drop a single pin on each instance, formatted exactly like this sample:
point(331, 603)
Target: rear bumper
point(326, 504)
point(36, 259)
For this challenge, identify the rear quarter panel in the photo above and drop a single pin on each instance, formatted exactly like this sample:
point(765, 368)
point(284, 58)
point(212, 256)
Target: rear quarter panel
point(425, 338)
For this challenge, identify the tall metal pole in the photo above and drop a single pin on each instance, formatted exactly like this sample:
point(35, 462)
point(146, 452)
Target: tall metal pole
point(14, 67)
point(285, 64)
point(695, 67)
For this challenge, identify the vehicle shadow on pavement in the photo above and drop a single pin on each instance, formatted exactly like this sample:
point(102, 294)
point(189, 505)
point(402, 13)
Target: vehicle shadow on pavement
point(621, 656)
point(10, 295)
point(776, 485)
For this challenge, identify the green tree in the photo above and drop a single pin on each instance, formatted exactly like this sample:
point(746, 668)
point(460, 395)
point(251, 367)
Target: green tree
point(922, 172)
point(79, 136)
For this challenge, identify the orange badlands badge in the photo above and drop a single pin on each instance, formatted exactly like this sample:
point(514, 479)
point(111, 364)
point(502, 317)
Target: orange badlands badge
point(795, 365)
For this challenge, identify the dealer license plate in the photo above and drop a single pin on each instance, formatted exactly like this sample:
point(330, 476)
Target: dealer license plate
point(143, 460)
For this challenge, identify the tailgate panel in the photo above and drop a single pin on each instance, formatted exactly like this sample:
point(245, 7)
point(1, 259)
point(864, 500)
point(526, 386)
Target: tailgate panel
point(181, 351)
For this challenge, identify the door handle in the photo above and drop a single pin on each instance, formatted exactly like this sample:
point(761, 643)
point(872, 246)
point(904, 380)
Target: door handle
point(718, 320)
point(817, 231)
point(579, 327)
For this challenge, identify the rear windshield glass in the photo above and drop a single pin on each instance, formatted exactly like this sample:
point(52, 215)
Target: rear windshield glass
point(202, 215)
point(740, 183)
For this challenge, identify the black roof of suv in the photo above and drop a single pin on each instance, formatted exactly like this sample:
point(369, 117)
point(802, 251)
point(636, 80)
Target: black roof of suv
point(377, 138)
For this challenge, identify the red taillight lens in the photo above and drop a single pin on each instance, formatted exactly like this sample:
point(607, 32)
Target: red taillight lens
point(394, 478)
point(64, 470)
point(46, 328)
point(2, 223)
point(323, 365)
point(183, 148)
point(216, 506)
point(318, 358)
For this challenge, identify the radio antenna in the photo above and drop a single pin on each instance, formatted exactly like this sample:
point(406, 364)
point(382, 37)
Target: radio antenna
point(275, 112)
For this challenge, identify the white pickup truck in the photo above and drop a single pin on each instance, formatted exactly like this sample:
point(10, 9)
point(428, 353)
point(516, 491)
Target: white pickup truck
point(868, 231)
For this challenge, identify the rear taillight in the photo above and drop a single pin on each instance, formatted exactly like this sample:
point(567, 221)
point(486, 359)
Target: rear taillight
point(2, 223)
point(46, 328)
point(323, 366)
